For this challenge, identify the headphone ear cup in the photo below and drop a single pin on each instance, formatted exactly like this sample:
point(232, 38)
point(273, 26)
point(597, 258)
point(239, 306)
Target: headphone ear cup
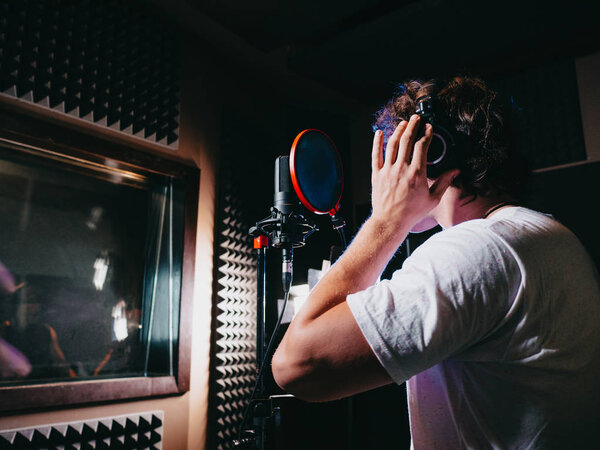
point(441, 152)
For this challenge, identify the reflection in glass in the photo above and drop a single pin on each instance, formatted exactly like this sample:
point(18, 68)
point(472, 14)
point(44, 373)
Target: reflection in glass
point(90, 269)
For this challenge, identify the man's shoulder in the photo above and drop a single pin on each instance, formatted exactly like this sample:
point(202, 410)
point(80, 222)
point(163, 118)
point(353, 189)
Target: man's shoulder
point(480, 243)
point(505, 225)
point(518, 238)
point(465, 249)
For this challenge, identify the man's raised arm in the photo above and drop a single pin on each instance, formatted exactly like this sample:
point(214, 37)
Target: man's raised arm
point(324, 355)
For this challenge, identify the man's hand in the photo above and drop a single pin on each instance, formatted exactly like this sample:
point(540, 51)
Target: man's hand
point(402, 194)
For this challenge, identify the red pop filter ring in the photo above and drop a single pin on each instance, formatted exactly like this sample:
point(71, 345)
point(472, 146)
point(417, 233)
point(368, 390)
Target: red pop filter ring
point(294, 177)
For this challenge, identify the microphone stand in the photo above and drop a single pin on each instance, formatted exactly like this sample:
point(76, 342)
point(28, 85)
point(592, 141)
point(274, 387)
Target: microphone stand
point(285, 231)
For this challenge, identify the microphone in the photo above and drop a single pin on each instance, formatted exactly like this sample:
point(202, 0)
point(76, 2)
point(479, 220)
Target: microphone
point(285, 199)
point(286, 227)
point(286, 202)
point(286, 208)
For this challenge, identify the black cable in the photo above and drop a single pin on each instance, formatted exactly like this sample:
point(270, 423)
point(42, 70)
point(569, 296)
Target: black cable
point(342, 237)
point(266, 358)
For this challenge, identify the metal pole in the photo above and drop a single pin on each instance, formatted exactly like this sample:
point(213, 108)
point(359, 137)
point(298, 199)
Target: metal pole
point(261, 244)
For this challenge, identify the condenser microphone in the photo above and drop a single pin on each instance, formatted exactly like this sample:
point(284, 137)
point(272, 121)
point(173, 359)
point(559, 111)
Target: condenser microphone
point(285, 199)
point(286, 208)
point(286, 202)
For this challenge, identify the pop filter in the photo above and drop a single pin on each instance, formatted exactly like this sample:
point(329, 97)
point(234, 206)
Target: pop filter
point(316, 172)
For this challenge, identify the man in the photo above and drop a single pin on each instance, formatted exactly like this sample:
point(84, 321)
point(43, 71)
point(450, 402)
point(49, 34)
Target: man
point(494, 322)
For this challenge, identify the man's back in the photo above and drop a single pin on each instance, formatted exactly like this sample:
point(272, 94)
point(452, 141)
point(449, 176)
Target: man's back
point(532, 381)
point(509, 317)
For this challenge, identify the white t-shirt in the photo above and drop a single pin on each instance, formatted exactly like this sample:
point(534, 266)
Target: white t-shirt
point(495, 324)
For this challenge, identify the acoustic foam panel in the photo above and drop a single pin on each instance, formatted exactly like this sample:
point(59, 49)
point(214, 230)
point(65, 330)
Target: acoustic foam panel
point(130, 432)
point(107, 62)
point(233, 363)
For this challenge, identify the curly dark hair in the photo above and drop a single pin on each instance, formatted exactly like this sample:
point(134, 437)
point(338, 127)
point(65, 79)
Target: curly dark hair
point(491, 165)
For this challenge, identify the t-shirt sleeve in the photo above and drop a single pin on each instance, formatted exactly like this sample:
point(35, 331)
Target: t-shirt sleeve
point(448, 295)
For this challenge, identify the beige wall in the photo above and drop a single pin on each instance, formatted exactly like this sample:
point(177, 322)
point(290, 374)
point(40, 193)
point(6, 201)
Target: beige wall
point(199, 140)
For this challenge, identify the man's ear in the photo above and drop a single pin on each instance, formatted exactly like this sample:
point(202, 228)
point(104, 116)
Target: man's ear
point(457, 181)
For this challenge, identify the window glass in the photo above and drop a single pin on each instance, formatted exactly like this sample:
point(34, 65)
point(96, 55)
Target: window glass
point(90, 269)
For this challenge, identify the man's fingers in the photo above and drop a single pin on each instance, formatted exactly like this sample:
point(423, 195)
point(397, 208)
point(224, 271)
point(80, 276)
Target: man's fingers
point(407, 141)
point(438, 188)
point(377, 153)
point(419, 157)
point(391, 150)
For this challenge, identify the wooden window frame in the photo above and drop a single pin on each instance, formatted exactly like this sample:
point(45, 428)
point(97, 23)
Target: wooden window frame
point(54, 136)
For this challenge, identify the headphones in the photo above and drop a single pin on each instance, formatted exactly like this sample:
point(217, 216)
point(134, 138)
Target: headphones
point(444, 153)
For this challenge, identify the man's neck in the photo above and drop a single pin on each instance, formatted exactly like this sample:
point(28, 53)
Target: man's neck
point(454, 209)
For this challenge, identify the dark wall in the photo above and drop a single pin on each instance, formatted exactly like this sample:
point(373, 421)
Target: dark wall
point(570, 195)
